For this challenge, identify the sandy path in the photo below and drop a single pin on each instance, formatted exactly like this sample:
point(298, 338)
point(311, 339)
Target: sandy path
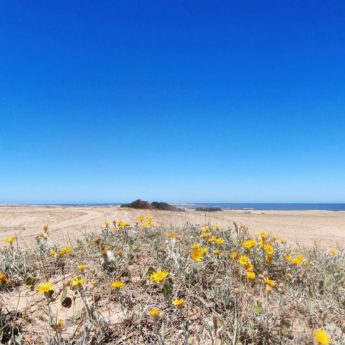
point(322, 227)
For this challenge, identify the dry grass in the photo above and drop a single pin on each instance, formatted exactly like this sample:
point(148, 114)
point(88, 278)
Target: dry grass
point(284, 304)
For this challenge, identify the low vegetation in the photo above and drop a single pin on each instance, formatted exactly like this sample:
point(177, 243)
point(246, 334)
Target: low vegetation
point(155, 205)
point(143, 284)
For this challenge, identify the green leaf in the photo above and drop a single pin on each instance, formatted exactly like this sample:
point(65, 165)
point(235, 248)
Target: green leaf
point(258, 309)
point(167, 290)
point(63, 295)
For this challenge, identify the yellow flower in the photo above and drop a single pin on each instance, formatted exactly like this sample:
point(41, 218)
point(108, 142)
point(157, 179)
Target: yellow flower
point(219, 240)
point(212, 239)
point(159, 276)
point(216, 252)
point(10, 239)
point(197, 254)
point(262, 234)
point(333, 252)
point(178, 303)
point(249, 267)
point(60, 323)
point(4, 279)
point(204, 250)
point(249, 244)
point(268, 249)
point(216, 227)
point(117, 285)
point(287, 256)
point(155, 312)
point(269, 282)
point(173, 235)
point(251, 275)
point(77, 282)
point(243, 260)
point(282, 240)
point(83, 267)
point(106, 223)
point(244, 227)
point(196, 246)
point(322, 337)
point(205, 228)
point(298, 260)
point(122, 224)
point(45, 288)
point(268, 258)
point(65, 250)
point(233, 255)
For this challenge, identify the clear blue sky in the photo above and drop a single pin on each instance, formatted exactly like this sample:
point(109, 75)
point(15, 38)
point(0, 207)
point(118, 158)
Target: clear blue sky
point(105, 101)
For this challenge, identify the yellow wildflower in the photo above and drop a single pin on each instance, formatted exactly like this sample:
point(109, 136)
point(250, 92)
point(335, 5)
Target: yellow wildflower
point(282, 240)
point(251, 275)
point(298, 260)
point(196, 246)
point(173, 235)
point(212, 239)
point(243, 260)
point(65, 250)
point(155, 312)
point(10, 239)
point(106, 223)
point(159, 276)
point(46, 288)
point(268, 258)
point(178, 303)
point(219, 240)
point(83, 267)
point(333, 252)
point(322, 337)
point(117, 285)
point(269, 282)
point(4, 279)
point(244, 227)
point(233, 255)
point(287, 256)
point(197, 254)
point(249, 267)
point(268, 249)
point(141, 219)
point(216, 227)
point(122, 224)
point(205, 228)
point(77, 282)
point(249, 244)
point(216, 252)
point(262, 234)
point(59, 323)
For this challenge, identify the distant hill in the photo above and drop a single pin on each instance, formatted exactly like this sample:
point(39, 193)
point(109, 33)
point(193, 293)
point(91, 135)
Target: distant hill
point(155, 205)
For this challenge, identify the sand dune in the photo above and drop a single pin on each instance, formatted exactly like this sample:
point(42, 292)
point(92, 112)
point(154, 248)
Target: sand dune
point(325, 228)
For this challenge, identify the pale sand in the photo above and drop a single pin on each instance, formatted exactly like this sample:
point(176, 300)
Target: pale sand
point(325, 228)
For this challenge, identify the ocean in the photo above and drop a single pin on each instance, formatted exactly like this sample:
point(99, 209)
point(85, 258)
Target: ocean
point(270, 206)
point(232, 206)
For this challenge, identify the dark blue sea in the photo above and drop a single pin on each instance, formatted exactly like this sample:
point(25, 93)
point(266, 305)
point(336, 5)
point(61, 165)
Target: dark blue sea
point(270, 206)
point(236, 206)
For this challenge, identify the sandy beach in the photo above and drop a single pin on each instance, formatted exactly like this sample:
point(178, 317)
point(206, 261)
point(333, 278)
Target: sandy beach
point(323, 228)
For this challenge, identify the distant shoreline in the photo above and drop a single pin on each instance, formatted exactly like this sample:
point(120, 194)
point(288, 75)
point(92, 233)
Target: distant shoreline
point(223, 206)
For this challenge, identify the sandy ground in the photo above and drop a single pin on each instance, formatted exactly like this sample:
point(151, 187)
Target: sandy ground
point(324, 228)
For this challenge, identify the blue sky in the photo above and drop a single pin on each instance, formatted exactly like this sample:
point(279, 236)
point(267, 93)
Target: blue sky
point(224, 101)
